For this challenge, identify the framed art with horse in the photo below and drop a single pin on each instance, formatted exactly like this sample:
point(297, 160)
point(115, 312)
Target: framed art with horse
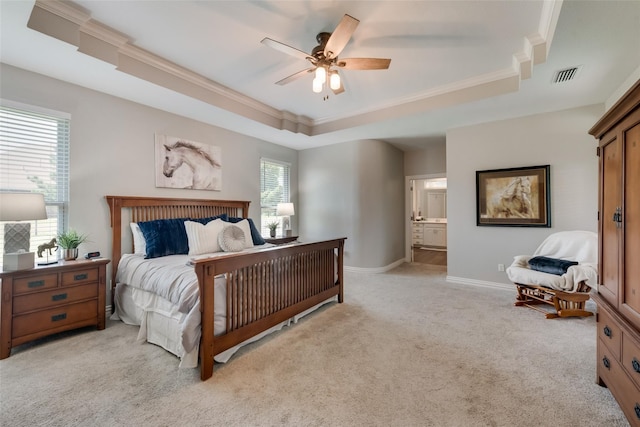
point(513, 197)
point(187, 164)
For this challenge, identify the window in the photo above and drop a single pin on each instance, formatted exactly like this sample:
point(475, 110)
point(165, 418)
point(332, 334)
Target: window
point(274, 189)
point(34, 157)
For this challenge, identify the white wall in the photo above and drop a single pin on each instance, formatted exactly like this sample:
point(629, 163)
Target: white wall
point(112, 151)
point(355, 190)
point(559, 139)
point(430, 160)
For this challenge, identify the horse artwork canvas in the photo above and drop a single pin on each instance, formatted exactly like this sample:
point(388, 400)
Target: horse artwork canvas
point(516, 196)
point(181, 163)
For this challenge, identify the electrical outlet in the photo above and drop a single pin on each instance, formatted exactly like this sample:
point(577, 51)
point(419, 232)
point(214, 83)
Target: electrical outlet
point(500, 267)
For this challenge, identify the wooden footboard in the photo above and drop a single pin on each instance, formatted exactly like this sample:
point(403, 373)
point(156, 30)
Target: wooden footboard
point(264, 289)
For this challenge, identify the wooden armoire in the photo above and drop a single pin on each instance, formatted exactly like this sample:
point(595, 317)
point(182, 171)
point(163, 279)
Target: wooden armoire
point(618, 296)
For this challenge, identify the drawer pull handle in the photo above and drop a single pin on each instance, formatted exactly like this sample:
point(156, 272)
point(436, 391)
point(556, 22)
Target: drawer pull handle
point(58, 317)
point(637, 409)
point(606, 362)
point(82, 276)
point(636, 365)
point(59, 297)
point(35, 284)
point(607, 331)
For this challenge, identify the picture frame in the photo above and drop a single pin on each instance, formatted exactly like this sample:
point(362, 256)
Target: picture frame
point(180, 163)
point(514, 197)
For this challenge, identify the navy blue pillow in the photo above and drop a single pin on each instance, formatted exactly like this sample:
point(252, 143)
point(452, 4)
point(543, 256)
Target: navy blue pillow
point(165, 237)
point(550, 265)
point(205, 221)
point(255, 234)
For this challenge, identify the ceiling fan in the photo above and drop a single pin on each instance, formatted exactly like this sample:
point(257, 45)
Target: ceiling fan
point(324, 57)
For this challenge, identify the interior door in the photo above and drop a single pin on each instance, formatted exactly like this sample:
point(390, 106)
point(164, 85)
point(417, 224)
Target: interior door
point(610, 162)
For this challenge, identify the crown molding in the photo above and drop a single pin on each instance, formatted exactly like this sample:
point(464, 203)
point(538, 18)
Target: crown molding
point(69, 23)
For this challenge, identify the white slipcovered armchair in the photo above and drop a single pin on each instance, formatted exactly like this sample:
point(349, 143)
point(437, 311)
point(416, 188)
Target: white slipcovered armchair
point(560, 273)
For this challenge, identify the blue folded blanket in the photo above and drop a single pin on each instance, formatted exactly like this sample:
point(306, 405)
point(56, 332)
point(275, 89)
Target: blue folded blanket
point(551, 265)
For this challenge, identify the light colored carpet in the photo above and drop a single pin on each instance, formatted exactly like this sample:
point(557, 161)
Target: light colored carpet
point(405, 349)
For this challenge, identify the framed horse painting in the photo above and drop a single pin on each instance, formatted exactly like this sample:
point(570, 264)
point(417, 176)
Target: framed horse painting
point(517, 197)
point(187, 164)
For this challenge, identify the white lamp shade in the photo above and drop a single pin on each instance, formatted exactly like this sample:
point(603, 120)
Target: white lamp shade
point(22, 207)
point(285, 209)
point(334, 82)
point(317, 86)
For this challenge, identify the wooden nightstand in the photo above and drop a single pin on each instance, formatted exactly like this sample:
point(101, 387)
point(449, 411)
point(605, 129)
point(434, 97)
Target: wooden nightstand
point(49, 299)
point(281, 240)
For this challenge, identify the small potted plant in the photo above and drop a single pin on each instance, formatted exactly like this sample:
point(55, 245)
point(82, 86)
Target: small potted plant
point(69, 242)
point(273, 225)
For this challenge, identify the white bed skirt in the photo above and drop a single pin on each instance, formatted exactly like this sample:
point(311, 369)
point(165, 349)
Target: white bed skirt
point(161, 323)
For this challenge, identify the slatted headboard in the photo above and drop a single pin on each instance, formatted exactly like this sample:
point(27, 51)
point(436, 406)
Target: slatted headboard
point(137, 209)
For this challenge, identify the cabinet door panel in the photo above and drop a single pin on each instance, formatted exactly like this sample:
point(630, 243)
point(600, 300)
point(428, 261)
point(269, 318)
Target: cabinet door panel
point(611, 199)
point(631, 220)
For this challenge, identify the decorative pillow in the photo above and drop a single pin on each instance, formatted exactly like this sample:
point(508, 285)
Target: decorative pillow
point(203, 238)
point(245, 225)
point(256, 237)
point(232, 239)
point(139, 245)
point(165, 237)
point(551, 265)
point(207, 220)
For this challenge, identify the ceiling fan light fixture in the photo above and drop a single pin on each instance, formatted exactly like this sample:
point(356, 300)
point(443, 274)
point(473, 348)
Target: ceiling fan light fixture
point(321, 74)
point(317, 85)
point(334, 80)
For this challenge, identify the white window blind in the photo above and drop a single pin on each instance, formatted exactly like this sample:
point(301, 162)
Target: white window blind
point(274, 189)
point(34, 157)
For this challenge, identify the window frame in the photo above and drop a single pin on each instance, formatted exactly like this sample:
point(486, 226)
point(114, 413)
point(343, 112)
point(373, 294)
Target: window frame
point(267, 211)
point(43, 231)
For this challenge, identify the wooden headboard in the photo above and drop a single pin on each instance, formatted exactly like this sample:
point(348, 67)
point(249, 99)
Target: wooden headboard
point(139, 209)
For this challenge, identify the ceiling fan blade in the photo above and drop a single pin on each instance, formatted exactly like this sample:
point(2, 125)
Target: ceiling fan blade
point(340, 36)
point(364, 63)
point(295, 76)
point(286, 49)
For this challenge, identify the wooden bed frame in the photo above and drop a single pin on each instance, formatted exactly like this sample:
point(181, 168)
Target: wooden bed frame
point(264, 288)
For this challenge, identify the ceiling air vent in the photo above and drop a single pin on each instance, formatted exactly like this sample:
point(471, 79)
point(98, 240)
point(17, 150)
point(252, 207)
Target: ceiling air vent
point(566, 74)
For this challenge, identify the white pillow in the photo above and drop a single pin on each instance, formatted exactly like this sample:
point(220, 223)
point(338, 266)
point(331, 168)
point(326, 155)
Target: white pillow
point(246, 229)
point(203, 238)
point(232, 239)
point(139, 244)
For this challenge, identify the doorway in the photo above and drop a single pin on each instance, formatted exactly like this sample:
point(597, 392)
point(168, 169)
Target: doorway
point(426, 234)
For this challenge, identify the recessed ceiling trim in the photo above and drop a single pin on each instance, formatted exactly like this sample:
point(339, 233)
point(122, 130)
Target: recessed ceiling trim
point(62, 21)
point(72, 25)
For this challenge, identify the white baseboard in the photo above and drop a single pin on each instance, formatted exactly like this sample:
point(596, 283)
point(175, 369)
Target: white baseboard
point(482, 283)
point(376, 269)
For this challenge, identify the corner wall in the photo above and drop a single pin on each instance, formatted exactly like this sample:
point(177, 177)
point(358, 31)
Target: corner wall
point(355, 190)
point(559, 139)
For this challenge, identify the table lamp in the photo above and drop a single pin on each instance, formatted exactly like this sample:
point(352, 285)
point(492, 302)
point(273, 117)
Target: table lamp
point(17, 235)
point(285, 210)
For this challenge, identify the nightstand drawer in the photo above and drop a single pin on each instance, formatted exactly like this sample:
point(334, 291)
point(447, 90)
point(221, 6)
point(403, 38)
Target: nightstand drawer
point(34, 283)
point(60, 296)
point(79, 276)
point(54, 317)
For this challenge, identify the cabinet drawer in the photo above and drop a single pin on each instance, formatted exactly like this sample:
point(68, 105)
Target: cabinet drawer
point(622, 388)
point(60, 296)
point(80, 276)
point(610, 333)
point(631, 358)
point(54, 318)
point(34, 283)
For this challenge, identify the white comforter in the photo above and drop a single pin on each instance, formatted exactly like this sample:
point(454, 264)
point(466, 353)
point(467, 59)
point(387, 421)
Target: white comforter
point(172, 278)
